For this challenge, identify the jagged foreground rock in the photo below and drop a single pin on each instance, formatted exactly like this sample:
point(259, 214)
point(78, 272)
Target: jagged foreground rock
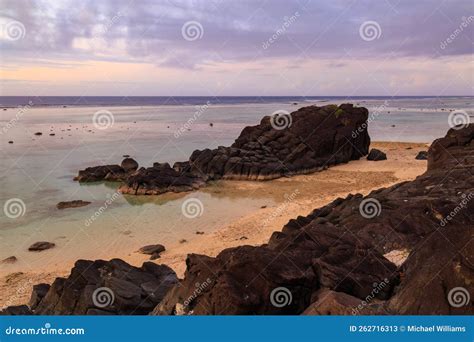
point(101, 288)
point(309, 139)
point(332, 261)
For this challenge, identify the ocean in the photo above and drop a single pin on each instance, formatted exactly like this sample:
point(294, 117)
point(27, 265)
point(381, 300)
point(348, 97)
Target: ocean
point(39, 169)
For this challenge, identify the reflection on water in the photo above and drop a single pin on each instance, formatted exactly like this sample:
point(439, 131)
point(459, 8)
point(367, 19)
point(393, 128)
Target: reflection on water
point(39, 170)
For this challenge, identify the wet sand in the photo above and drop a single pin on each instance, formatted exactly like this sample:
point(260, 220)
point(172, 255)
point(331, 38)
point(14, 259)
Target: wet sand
point(293, 196)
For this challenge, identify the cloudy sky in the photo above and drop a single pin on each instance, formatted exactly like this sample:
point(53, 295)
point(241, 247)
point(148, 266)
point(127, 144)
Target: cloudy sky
point(217, 47)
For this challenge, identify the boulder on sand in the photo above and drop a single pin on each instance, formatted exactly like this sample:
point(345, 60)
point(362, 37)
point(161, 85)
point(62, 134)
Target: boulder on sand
point(41, 246)
point(376, 155)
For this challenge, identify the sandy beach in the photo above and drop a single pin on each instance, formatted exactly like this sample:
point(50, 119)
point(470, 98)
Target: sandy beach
point(293, 196)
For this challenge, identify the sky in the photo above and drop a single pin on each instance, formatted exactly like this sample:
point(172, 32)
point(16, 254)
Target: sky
point(218, 48)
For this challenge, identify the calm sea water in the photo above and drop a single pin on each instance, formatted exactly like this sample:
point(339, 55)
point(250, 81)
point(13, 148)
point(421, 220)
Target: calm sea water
point(39, 170)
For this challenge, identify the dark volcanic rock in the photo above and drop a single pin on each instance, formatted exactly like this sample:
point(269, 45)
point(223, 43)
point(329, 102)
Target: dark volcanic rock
point(41, 246)
point(129, 164)
point(16, 310)
point(422, 155)
point(159, 179)
point(37, 294)
point(153, 250)
point(100, 173)
point(376, 155)
point(307, 140)
point(72, 204)
point(105, 287)
point(339, 250)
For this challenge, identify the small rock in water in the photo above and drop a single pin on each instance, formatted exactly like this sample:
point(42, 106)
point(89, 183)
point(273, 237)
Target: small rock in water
point(38, 133)
point(52, 134)
point(9, 260)
point(422, 155)
point(41, 246)
point(211, 124)
point(10, 142)
point(126, 156)
point(72, 204)
point(199, 233)
point(376, 155)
